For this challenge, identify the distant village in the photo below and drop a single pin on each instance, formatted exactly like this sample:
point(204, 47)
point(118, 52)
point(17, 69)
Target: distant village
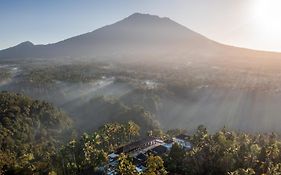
point(141, 149)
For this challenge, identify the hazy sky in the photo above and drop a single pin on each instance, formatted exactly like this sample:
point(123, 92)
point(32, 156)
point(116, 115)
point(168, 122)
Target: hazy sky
point(245, 23)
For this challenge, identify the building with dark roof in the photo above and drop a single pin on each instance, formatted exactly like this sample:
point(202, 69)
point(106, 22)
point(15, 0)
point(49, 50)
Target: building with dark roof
point(137, 146)
point(141, 149)
point(159, 150)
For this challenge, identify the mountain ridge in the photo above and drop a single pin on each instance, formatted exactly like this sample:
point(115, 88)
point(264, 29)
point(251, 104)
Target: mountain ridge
point(138, 35)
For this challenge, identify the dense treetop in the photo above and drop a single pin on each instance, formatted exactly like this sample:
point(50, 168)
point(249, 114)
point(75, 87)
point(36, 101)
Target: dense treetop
point(29, 129)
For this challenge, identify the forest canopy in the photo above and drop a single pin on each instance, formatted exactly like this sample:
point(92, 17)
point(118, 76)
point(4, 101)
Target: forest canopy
point(30, 130)
point(37, 138)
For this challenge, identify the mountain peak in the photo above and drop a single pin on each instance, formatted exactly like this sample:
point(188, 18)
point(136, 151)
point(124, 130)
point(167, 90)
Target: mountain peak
point(143, 16)
point(26, 44)
point(137, 14)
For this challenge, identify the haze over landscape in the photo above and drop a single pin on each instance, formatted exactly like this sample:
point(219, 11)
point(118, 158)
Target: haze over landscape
point(81, 96)
point(151, 40)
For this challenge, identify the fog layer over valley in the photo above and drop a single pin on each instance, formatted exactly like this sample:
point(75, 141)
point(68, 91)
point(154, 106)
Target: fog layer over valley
point(177, 96)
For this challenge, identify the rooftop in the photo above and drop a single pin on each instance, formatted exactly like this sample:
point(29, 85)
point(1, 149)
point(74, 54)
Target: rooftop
point(136, 144)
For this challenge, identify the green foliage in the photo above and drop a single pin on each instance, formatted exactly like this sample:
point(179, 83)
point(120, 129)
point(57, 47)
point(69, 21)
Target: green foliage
point(155, 166)
point(228, 152)
point(33, 136)
point(175, 132)
point(89, 153)
point(175, 160)
point(82, 156)
point(113, 110)
point(125, 166)
point(4, 75)
point(30, 132)
point(69, 73)
point(158, 133)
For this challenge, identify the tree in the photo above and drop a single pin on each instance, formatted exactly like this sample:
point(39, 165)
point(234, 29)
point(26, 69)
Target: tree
point(155, 166)
point(175, 160)
point(89, 153)
point(132, 129)
point(125, 166)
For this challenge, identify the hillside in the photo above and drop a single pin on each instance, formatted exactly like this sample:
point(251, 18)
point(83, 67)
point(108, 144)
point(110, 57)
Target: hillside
point(30, 130)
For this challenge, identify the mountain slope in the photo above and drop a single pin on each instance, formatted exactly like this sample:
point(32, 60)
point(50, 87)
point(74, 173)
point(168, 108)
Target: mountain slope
point(139, 35)
point(136, 34)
